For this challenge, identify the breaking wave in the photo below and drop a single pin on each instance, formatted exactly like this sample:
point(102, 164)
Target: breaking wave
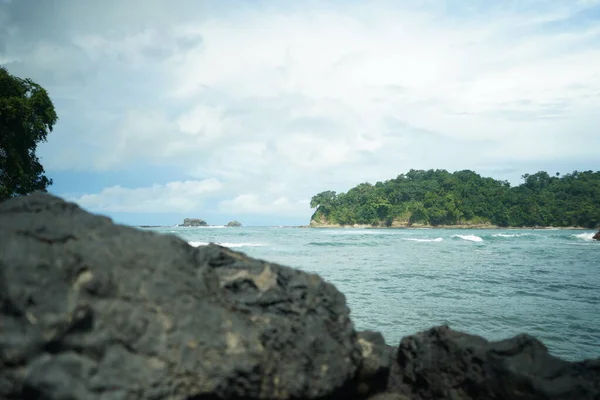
point(584, 236)
point(424, 240)
point(225, 244)
point(470, 238)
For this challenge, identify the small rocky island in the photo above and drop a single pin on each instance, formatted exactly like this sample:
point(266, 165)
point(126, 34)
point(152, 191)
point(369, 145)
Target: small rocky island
point(234, 224)
point(93, 310)
point(194, 222)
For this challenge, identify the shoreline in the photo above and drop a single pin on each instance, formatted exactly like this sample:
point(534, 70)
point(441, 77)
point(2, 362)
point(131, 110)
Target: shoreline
point(474, 226)
point(415, 226)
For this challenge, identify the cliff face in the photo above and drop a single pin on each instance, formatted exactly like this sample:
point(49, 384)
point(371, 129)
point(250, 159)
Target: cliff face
point(93, 310)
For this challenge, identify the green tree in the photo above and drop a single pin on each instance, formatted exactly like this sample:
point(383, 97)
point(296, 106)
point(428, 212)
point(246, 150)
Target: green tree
point(27, 115)
point(325, 199)
point(437, 197)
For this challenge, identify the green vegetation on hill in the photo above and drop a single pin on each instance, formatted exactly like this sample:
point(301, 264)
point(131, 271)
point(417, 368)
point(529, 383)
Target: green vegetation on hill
point(437, 197)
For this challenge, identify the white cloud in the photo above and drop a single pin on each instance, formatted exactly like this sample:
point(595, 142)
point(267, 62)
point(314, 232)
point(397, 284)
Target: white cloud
point(257, 204)
point(479, 81)
point(202, 121)
point(281, 101)
point(172, 197)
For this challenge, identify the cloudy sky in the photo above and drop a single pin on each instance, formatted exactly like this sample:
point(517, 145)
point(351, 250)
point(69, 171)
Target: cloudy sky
point(246, 109)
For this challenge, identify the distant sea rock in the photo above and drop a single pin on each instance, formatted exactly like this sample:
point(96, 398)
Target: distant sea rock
point(234, 224)
point(596, 236)
point(94, 310)
point(194, 222)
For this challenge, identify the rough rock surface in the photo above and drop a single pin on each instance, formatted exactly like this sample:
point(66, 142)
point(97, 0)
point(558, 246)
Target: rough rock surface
point(194, 222)
point(596, 236)
point(377, 360)
point(234, 224)
point(444, 364)
point(92, 310)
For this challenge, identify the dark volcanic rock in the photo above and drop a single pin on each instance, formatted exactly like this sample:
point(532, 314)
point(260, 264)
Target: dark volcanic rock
point(92, 310)
point(444, 364)
point(377, 359)
point(194, 222)
point(389, 396)
point(596, 236)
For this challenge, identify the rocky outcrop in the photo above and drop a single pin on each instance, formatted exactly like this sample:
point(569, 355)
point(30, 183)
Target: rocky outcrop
point(596, 236)
point(234, 224)
point(377, 359)
point(194, 222)
point(444, 364)
point(93, 310)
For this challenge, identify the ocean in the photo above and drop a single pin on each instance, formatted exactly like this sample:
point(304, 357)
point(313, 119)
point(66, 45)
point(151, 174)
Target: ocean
point(494, 283)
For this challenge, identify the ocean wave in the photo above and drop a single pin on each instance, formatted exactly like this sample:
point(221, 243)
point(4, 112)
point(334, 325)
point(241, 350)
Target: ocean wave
point(584, 236)
point(333, 244)
point(360, 232)
point(470, 238)
point(342, 244)
point(226, 244)
point(197, 244)
point(511, 235)
point(203, 227)
point(424, 240)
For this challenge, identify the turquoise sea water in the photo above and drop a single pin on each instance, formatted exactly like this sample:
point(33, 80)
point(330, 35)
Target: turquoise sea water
point(495, 283)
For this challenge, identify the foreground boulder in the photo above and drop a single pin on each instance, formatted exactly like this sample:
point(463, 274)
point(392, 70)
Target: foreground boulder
point(444, 364)
point(92, 310)
point(596, 236)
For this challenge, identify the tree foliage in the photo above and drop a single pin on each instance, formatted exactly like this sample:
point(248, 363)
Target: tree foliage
point(27, 116)
point(437, 197)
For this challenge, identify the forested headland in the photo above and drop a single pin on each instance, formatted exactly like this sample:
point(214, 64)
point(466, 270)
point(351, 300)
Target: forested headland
point(438, 198)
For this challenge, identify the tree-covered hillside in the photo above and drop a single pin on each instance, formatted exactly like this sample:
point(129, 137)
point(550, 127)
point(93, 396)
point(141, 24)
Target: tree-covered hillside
point(437, 197)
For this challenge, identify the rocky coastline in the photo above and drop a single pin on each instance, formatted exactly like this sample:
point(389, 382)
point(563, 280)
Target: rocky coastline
point(94, 310)
point(326, 225)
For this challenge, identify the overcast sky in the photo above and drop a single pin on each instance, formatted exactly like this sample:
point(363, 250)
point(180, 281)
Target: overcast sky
point(245, 109)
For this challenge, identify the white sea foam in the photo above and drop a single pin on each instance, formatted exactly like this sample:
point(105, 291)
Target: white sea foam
point(360, 231)
point(425, 240)
point(585, 236)
point(511, 235)
point(226, 244)
point(203, 227)
point(470, 238)
point(196, 244)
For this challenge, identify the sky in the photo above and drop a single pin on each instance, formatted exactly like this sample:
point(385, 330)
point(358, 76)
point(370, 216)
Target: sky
point(244, 110)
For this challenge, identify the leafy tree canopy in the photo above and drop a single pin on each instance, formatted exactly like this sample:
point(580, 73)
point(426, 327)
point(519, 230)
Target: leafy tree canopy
point(437, 197)
point(27, 115)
